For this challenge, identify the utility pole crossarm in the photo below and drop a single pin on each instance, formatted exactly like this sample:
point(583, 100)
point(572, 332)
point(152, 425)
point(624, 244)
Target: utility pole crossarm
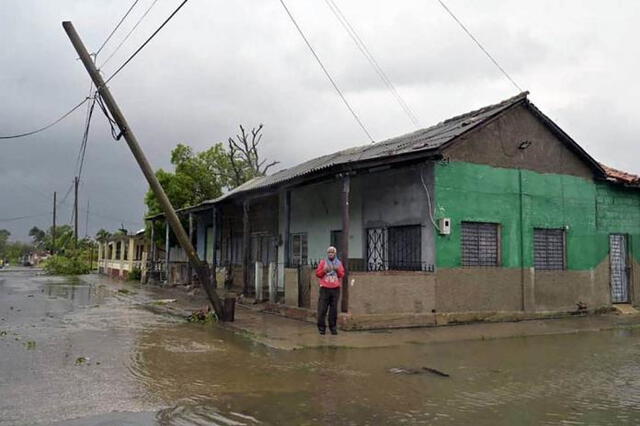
point(201, 268)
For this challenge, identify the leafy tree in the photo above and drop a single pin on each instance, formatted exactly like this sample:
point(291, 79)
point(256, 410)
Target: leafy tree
point(103, 235)
point(39, 237)
point(4, 237)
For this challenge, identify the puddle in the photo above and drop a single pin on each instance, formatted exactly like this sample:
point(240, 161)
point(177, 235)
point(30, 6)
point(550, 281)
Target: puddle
point(156, 371)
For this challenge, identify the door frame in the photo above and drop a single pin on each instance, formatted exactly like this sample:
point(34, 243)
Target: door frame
point(627, 269)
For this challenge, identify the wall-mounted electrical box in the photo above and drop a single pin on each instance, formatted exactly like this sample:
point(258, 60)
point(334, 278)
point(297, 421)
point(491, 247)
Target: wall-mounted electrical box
point(444, 224)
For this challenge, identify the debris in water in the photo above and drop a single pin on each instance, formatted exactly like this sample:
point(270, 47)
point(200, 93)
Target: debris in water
point(434, 371)
point(82, 360)
point(163, 301)
point(3, 333)
point(202, 316)
point(423, 370)
point(30, 345)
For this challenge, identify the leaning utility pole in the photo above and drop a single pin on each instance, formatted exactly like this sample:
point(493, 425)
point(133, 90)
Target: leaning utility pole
point(53, 229)
point(202, 269)
point(75, 213)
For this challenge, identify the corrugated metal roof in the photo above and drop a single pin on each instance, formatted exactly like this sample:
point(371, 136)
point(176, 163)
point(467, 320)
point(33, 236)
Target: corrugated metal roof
point(421, 140)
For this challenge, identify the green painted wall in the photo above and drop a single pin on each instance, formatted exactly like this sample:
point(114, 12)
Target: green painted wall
point(589, 210)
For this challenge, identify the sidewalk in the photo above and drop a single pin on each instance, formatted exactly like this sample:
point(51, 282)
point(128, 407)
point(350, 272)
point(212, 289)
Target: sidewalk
point(283, 333)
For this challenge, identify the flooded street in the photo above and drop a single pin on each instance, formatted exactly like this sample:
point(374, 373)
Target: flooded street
point(77, 353)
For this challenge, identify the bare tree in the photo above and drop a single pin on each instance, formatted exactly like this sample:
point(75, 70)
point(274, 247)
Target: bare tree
point(244, 158)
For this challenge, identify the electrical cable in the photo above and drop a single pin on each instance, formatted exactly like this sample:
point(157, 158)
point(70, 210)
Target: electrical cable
point(111, 121)
point(372, 61)
point(333, 83)
point(426, 189)
point(129, 33)
point(85, 138)
point(480, 46)
point(11, 219)
point(116, 27)
point(146, 42)
point(33, 132)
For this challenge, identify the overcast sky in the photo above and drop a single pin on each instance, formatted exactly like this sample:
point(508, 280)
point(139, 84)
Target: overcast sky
point(219, 63)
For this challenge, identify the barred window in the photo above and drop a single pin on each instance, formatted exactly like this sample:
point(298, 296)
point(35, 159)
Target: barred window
point(548, 249)
point(298, 249)
point(118, 249)
point(480, 244)
point(397, 248)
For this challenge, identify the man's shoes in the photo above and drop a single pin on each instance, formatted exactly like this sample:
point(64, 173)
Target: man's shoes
point(323, 332)
point(334, 331)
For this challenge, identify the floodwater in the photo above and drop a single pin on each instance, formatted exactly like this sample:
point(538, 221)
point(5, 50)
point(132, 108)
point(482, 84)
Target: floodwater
point(78, 354)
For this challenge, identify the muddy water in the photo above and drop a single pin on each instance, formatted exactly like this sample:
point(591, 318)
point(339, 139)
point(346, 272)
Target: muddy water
point(149, 369)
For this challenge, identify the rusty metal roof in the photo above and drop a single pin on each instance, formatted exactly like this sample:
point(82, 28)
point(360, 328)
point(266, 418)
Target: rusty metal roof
point(426, 139)
point(621, 177)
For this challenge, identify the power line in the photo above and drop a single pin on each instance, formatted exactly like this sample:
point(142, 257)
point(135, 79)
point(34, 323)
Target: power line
point(335, 86)
point(147, 41)
point(33, 132)
point(11, 219)
point(85, 138)
point(480, 45)
point(129, 33)
point(371, 59)
point(116, 27)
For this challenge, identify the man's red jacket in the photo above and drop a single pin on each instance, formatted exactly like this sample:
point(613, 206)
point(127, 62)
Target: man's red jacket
point(330, 280)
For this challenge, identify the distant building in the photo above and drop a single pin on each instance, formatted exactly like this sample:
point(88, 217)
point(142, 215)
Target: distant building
point(493, 212)
point(121, 255)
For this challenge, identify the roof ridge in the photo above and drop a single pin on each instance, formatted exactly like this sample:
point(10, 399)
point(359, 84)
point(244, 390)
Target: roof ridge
point(505, 102)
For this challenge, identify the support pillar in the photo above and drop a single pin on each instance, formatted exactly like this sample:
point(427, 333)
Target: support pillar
point(189, 268)
point(245, 248)
point(287, 229)
point(344, 250)
point(167, 257)
point(214, 245)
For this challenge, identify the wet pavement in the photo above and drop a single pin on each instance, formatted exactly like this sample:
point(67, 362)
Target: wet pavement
point(80, 353)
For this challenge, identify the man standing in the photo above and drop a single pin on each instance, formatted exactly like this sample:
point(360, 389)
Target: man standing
point(330, 272)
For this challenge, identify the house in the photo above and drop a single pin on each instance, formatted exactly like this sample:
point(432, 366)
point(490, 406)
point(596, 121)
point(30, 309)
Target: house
point(493, 213)
point(122, 255)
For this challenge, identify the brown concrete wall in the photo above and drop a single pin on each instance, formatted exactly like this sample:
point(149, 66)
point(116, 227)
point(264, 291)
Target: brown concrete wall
point(562, 290)
point(392, 292)
point(291, 286)
point(635, 282)
point(497, 143)
point(478, 289)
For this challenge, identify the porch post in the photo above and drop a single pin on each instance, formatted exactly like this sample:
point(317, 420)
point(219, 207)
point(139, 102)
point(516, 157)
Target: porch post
point(152, 247)
point(167, 247)
point(287, 228)
point(245, 248)
point(214, 245)
point(344, 250)
point(189, 269)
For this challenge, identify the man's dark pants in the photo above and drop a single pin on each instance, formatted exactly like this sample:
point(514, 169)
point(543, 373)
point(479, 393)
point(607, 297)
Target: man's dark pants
point(328, 300)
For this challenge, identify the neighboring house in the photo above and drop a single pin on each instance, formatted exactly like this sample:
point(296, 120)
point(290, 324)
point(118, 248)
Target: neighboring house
point(120, 255)
point(493, 211)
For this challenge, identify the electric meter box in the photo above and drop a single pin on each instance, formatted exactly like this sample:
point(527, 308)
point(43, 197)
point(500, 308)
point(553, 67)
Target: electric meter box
point(445, 225)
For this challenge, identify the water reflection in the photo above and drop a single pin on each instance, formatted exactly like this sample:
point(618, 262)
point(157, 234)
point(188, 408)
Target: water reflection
point(584, 378)
point(77, 292)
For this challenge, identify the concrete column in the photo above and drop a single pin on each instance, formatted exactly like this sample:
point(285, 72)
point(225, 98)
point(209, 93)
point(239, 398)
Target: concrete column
point(245, 248)
point(273, 283)
point(344, 253)
point(258, 280)
point(167, 256)
point(189, 269)
point(214, 245)
point(131, 254)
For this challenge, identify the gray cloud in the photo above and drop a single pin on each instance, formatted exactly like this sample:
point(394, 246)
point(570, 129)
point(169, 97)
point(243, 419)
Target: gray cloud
point(218, 64)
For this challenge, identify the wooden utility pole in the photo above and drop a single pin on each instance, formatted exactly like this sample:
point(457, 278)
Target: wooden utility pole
point(53, 229)
point(75, 213)
point(201, 268)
